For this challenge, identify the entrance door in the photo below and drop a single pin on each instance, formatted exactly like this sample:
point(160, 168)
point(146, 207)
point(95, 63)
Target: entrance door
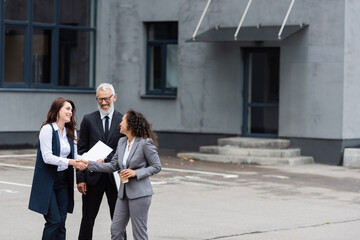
point(261, 92)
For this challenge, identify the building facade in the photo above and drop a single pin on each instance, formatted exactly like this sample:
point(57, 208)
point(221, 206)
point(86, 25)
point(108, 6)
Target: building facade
point(196, 81)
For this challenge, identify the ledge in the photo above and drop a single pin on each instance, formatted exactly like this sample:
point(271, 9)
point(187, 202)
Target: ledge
point(41, 90)
point(170, 97)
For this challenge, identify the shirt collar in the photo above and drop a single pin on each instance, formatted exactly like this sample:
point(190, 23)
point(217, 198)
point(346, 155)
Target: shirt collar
point(109, 115)
point(56, 128)
point(132, 142)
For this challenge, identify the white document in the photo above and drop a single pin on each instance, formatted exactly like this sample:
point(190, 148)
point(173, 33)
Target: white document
point(99, 151)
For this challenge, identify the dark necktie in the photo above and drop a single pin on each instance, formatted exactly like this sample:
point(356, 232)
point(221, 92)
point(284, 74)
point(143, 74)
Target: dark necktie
point(106, 127)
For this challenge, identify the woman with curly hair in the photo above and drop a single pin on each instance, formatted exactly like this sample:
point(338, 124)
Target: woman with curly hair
point(137, 158)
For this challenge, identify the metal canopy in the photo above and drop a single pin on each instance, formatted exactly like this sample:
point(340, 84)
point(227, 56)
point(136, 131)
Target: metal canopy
point(247, 34)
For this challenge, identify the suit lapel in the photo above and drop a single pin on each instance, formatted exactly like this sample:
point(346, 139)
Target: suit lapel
point(100, 126)
point(121, 152)
point(135, 145)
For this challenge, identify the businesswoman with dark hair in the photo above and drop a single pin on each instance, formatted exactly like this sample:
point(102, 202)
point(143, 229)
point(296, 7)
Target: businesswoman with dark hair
point(137, 158)
point(52, 192)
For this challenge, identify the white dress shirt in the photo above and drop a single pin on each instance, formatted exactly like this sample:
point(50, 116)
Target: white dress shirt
point(102, 116)
point(45, 138)
point(127, 151)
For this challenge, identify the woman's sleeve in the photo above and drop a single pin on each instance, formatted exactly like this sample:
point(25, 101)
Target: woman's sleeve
point(45, 138)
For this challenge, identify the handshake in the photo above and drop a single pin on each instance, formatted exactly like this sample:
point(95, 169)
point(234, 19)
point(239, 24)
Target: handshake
point(81, 164)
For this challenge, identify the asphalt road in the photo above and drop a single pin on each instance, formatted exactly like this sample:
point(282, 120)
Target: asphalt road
point(202, 200)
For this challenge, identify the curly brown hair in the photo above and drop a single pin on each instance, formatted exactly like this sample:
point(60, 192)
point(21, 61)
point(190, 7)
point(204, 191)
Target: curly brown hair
point(53, 114)
point(139, 126)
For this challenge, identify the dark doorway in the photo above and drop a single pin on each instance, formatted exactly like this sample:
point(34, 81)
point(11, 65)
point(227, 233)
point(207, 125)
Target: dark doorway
point(261, 92)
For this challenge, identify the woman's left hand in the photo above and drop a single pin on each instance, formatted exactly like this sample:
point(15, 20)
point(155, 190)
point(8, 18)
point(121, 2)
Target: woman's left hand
point(128, 173)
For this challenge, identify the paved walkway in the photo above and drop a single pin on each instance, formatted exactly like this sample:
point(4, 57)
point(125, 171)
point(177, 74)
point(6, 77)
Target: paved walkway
point(202, 200)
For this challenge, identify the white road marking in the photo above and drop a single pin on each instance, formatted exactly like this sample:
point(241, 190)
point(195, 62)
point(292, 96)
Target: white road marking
point(166, 169)
point(193, 177)
point(201, 172)
point(155, 182)
point(8, 191)
point(15, 166)
point(158, 183)
point(16, 184)
point(277, 176)
point(20, 184)
point(17, 156)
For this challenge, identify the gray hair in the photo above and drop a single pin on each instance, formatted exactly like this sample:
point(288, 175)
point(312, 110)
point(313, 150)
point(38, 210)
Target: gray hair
point(106, 86)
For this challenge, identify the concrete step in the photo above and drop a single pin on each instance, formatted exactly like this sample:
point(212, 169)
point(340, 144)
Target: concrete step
point(247, 159)
point(352, 157)
point(255, 142)
point(230, 150)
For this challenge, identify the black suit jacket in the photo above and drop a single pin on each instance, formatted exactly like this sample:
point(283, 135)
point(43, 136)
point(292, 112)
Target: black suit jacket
point(91, 131)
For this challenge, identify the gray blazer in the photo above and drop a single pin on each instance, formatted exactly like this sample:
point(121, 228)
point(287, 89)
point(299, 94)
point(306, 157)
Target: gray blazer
point(143, 158)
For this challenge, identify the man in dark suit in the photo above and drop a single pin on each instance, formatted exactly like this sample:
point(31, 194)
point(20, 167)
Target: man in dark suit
point(103, 125)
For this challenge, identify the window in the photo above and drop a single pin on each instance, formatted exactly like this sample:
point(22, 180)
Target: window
point(47, 44)
point(162, 58)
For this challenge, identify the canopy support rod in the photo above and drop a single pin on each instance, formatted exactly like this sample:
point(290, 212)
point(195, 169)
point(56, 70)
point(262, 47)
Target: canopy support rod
point(242, 19)
point(201, 19)
point(285, 19)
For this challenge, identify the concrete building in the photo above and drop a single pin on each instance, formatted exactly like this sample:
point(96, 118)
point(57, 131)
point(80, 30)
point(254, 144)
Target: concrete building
point(303, 86)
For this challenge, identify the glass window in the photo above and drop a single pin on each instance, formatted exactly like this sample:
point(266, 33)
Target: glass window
point(15, 9)
point(75, 13)
point(155, 68)
point(74, 58)
point(265, 76)
point(162, 75)
point(14, 55)
point(54, 48)
point(43, 11)
point(261, 100)
point(171, 67)
point(41, 57)
point(263, 120)
point(163, 31)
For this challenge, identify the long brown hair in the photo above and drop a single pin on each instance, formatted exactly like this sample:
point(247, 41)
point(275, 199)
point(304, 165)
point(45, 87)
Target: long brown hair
point(139, 126)
point(53, 113)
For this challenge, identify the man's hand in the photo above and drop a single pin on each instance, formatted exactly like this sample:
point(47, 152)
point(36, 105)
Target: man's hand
point(82, 188)
point(81, 164)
